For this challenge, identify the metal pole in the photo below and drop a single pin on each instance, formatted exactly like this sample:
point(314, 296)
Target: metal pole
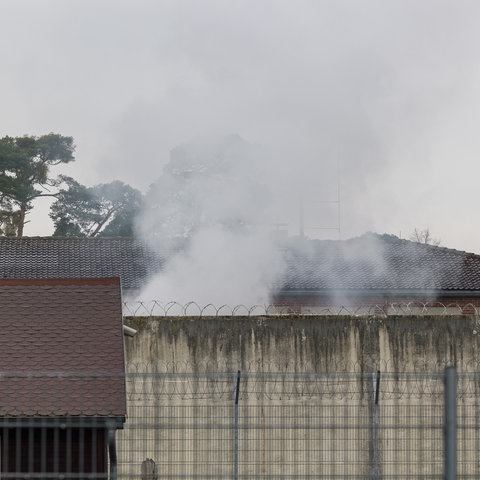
point(112, 453)
point(376, 390)
point(237, 392)
point(450, 428)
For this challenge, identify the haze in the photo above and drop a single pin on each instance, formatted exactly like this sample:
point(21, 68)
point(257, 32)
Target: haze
point(376, 101)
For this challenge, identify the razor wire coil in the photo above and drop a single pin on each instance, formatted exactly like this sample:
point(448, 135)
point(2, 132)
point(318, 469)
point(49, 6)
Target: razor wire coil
point(155, 308)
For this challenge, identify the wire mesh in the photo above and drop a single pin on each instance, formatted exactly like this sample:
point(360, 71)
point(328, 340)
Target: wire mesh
point(219, 424)
point(296, 425)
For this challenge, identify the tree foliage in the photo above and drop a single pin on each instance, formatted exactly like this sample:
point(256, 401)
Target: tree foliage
point(211, 182)
point(25, 164)
point(107, 209)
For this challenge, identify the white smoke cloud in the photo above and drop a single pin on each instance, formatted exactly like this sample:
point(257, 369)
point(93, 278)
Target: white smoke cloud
point(219, 267)
point(209, 215)
point(386, 90)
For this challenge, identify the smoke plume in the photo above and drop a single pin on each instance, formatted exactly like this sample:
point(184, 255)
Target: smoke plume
point(210, 216)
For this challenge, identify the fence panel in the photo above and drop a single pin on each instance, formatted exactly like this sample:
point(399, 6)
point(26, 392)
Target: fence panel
point(262, 425)
point(289, 425)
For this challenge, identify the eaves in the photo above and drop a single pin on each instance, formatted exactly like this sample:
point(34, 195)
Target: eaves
point(388, 293)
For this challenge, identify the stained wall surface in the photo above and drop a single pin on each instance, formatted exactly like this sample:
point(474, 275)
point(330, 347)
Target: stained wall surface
point(307, 404)
point(296, 343)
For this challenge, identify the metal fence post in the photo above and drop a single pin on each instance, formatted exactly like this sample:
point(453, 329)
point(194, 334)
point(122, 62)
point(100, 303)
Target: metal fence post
point(237, 392)
point(376, 390)
point(450, 426)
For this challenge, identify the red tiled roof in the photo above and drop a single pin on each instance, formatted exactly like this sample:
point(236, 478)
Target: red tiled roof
point(61, 348)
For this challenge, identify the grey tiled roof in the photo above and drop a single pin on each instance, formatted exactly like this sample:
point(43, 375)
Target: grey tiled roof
point(378, 262)
point(61, 348)
point(55, 257)
point(369, 262)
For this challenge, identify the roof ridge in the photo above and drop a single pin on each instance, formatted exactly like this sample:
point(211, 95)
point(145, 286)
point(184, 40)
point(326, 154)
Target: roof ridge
point(51, 237)
point(394, 238)
point(60, 281)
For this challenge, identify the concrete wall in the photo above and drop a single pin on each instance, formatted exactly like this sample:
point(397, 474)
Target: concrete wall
point(290, 425)
point(299, 343)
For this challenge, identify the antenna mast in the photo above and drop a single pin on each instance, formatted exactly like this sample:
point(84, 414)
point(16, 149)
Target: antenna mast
point(336, 202)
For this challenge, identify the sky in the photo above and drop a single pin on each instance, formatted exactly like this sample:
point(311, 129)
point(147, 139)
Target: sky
point(373, 104)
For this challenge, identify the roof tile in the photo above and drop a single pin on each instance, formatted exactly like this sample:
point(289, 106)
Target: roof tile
point(60, 257)
point(62, 347)
point(378, 262)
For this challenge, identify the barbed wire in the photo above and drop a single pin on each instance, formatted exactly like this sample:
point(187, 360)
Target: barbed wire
point(153, 388)
point(144, 389)
point(214, 381)
point(267, 367)
point(156, 308)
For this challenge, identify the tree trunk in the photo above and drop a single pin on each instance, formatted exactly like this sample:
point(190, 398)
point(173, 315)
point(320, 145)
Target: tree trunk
point(21, 220)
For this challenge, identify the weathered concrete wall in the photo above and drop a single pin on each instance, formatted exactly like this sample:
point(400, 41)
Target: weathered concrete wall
point(322, 425)
point(299, 343)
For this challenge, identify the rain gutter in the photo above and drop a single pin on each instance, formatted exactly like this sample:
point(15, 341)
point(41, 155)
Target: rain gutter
point(112, 448)
point(382, 292)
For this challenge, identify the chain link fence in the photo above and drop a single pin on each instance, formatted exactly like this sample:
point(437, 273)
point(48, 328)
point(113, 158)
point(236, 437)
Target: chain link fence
point(374, 425)
point(262, 425)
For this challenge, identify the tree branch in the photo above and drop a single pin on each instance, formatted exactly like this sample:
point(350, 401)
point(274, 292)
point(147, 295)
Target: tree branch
point(107, 217)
